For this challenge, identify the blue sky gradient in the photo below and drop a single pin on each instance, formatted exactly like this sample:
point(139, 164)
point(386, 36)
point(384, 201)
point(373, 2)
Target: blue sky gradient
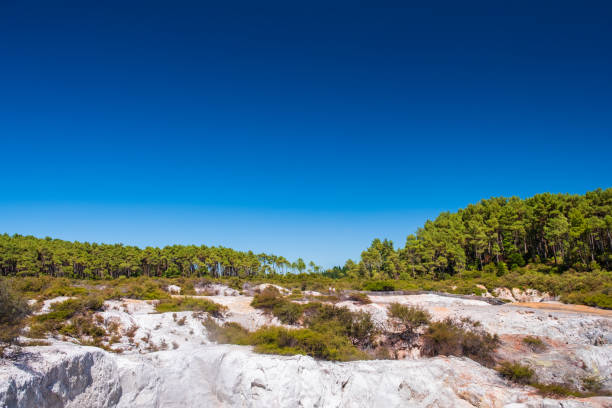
point(302, 130)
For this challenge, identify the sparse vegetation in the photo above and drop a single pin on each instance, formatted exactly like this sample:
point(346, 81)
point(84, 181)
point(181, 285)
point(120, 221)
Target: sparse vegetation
point(360, 298)
point(13, 311)
point(523, 374)
point(190, 304)
point(409, 317)
point(516, 372)
point(460, 338)
point(60, 314)
point(278, 340)
point(271, 300)
point(534, 343)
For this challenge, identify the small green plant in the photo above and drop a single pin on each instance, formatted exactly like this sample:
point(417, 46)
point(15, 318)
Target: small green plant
point(321, 345)
point(534, 343)
point(408, 316)
point(271, 301)
point(190, 304)
point(557, 390)
point(361, 298)
point(379, 286)
point(592, 383)
point(516, 372)
point(13, 311)
point(228, 333)
point(460, 338)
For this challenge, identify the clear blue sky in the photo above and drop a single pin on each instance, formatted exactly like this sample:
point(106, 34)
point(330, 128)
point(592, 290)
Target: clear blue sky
point(302, 130)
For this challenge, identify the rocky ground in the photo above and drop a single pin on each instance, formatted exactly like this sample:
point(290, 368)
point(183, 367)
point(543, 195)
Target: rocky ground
point(168, 361)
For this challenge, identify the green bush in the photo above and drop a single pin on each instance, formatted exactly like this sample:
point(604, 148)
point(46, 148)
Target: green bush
point(267, 299)
point(361, 298)
point(13, 310)
point(140, 288)
point(379, 286)
point(65, 317)
point(61, 311)
point(516, 372)
point(190, 304)
point(322, 345)
point(602, 300)
point(557, 390)
point(408, 316)
point(271, 301)
point(534, 343)
point(279, 340)
point(460, 338)
point(229, 333)
point(357, 326)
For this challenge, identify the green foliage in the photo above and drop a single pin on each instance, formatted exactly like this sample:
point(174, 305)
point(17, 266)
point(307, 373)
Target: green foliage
point(534, 343)
point(560, 229)
point(557, 390)
point(460, 338)
point(603, 300)
point(27, 256)
point(516, 372)
point(190, 304)
point(267, 299)
point(558, 243)
point(13, 310)
point(146, 289)
point(360, 298)
point(58, 319)
point(357, 326)
point(592, 383)
point(229, 333)
point(409, 317)
point(325, 345)
point(379, 286)
point(64, 310)
point(271, 301)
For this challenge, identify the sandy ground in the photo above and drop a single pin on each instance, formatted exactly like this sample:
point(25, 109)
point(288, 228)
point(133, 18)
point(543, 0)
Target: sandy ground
point(564, 307)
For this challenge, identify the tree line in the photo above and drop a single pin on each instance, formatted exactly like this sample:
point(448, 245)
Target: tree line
point(563, 230)
point(566, 231)
point(28, 255)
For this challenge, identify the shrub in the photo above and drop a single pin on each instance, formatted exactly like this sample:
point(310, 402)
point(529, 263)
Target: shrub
point(408, 316)
point(560, 390)
point(267, 299)
point(361, 298)
point(63, 287)
point(595, 299)
point(379, 286)
point(516, 372)
point(534, 343)
point(271, 301)
point(592, 383)
point(61, 311)
point(288, 312)
point(142, 288)
point(357, 326)
point(460, 338)
point(229, 333)
point(13, 310)
point(190, 304)
point(131, 332)
point(322, 345)
point(57, 319)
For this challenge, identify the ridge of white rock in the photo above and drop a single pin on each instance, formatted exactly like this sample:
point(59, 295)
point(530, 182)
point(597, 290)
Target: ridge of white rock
point(193, 372)
point(61, 375)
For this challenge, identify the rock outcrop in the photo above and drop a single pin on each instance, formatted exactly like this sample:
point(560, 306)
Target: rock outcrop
point(168, 361)
point(61, 375)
